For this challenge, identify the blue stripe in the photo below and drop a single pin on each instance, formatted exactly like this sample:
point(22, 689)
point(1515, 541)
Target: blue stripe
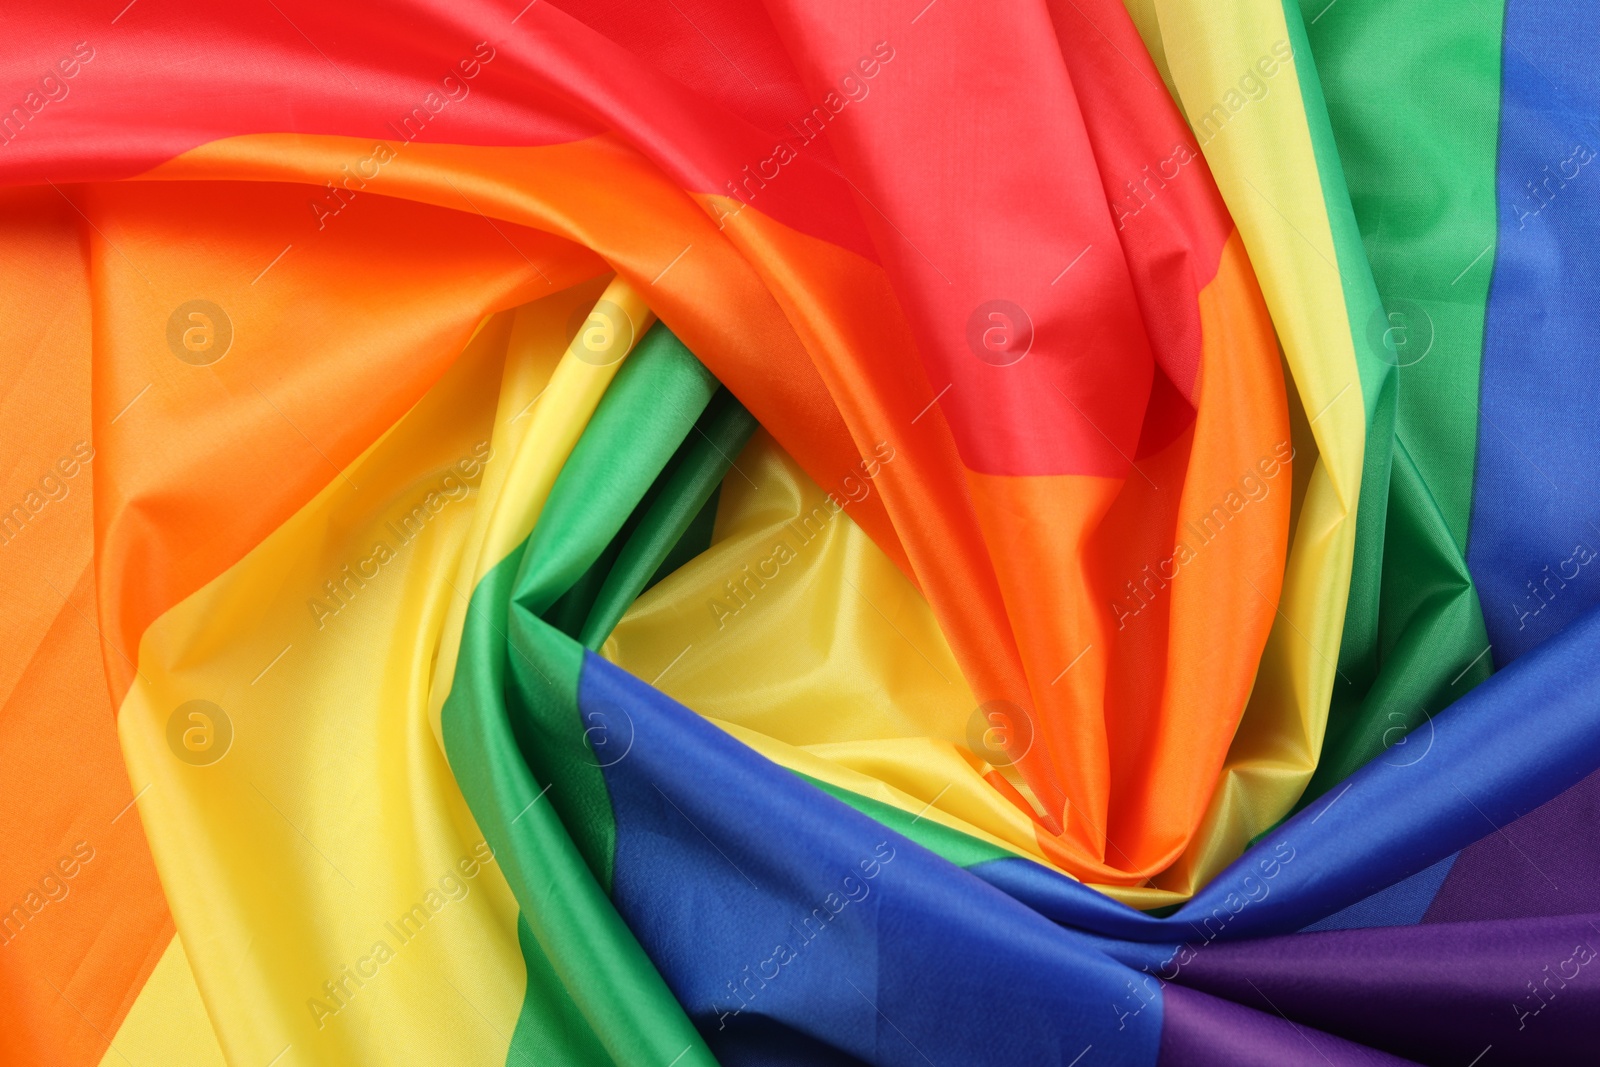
point(770, 906)
point(1536, 496)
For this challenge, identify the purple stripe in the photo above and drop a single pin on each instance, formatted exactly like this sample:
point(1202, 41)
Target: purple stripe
point(1545, 863)
point(1204, 1031)
point(1526, 989)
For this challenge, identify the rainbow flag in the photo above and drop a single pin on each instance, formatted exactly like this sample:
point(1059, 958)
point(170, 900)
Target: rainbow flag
point(906, 533)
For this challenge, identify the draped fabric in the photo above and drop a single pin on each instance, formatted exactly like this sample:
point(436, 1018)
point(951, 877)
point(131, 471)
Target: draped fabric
point(901, 533)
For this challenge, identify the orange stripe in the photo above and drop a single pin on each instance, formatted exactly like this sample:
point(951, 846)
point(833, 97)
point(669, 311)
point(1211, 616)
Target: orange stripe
point(1037, 532)
point(1203, 609)
point(335, 335)
point(69, 974)
point(603, 195)
point(1241, 433)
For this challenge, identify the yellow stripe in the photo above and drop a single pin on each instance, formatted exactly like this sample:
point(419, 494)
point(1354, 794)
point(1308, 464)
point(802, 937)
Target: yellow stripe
point(325, 873)
point(547, 395)
point(797, 635)
point(167, 1024)
point(1261, 155)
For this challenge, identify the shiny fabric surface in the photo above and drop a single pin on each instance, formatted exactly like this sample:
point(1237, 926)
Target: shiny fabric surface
point(694, 532)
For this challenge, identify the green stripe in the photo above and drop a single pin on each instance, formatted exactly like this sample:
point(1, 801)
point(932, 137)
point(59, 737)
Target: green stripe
point(684, 489)
point(527, 763)
point(959, 848)
point(649, 409)
point(574, 979)
point(1413, 92)
point(695, 540)
point(644, 416)
point(1412, 619)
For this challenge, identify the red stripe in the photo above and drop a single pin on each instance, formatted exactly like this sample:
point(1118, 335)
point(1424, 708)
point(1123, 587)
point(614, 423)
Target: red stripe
point(170, 75)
